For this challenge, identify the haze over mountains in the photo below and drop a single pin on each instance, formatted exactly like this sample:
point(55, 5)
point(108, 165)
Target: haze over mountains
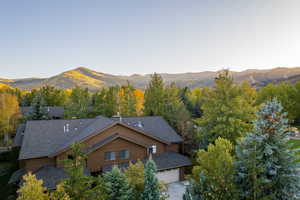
point(85, 77)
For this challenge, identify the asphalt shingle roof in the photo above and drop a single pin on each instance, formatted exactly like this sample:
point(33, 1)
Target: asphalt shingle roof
point(44, 136)
point(153, 125)
point(53, 111)
point(170, 160)
point(52, 176)
point(19, 135)
point(47, 137)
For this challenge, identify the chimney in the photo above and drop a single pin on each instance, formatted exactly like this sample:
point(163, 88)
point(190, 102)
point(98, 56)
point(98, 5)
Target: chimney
point(118, 116)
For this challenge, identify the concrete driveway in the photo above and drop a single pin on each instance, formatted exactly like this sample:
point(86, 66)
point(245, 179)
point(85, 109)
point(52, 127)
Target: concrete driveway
point(176, 190)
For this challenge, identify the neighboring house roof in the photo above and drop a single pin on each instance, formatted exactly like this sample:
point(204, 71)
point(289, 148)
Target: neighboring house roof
point(47, 137)
point(170, 160)
point(53, 111)
point(52, 176)
point(18, 139)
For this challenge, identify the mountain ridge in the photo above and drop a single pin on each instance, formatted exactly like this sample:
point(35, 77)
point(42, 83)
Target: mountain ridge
point(85, 77)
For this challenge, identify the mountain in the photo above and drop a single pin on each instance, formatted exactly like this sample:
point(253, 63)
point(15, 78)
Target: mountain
point(85, 77)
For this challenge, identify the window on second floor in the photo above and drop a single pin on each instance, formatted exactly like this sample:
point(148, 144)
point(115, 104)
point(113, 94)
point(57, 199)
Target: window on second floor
point(152, 149)
point(110, 155)
point(124, 154)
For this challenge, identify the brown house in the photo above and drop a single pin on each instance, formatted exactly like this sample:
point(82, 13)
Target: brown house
point(107, 142)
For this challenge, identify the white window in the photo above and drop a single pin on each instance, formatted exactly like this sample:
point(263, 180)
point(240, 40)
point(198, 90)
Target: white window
point(152, 149)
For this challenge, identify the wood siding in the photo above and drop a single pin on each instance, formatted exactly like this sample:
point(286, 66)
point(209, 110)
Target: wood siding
point(173, 147)
point(96, 159)
point(34, 164)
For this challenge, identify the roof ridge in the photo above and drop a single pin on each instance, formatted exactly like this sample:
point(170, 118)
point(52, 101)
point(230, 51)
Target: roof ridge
point(74, 138)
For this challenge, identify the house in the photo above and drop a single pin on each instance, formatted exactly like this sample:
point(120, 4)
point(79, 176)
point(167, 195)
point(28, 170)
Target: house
point(107, 142)
point(54, 112)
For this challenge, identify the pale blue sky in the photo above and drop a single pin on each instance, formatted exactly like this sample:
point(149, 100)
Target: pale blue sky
point(42, 38)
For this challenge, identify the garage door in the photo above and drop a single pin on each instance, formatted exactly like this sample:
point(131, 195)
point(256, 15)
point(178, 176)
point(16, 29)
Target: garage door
point(168, 176)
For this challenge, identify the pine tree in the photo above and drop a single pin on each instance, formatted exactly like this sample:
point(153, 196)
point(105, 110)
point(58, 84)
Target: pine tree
point(151, 185)
point(32, 189)
point(227, 112)
point(154, 96)
point(213, 175)
point(39, 111)
point(117, 186)
point(266, 167)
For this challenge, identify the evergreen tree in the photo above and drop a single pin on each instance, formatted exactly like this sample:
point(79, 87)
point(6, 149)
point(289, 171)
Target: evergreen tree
point(117, 186)
point(227, 112)
point(39, 110)
point(151, 185)
point(155, 96)
point(32, 189)
point(213, 175)
point(266, 167)
point(165, 101)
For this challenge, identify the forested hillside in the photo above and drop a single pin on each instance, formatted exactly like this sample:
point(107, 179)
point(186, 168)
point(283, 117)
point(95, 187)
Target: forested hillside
point(93, 80)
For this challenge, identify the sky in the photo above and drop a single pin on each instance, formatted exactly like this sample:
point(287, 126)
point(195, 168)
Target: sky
point(44, 38)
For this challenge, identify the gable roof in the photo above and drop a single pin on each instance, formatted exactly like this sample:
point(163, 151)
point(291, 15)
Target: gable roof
point(110, 139)
point(156, 126)
point(41, 137)
point(47, 137)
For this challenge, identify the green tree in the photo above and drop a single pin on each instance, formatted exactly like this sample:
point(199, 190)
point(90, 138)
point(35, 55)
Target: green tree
point(78, 185)
point(53, 96)
point(151, 184)
point(39, 111)
point(32, 189)
point(266, 167)
point(285, 93)
point(135, 176)
point(117, 186)
point(213, 175)
point(165, 101)
point(78, 105)
point(154, 96)
point(227, 112)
